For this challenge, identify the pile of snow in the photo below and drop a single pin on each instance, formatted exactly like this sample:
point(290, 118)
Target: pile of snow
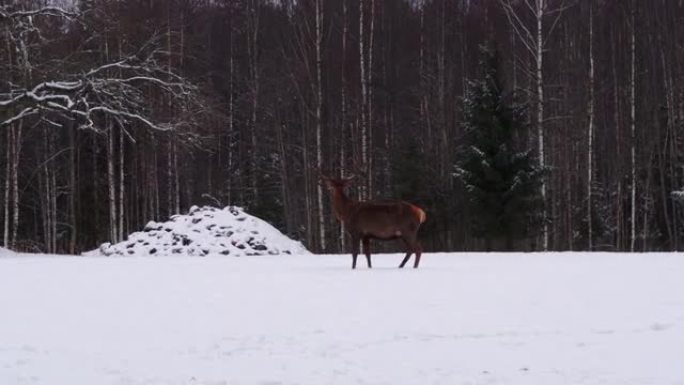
point(205, 231)
point(5, 252)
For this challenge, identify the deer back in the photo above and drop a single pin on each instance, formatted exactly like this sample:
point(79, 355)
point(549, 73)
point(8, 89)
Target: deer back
point(384, 219)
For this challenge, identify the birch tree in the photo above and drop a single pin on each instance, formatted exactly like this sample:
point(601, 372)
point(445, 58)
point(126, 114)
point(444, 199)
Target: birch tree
point(632, 122)
point(590, 132)
point(23, 36)
point(363, 110)
point(107, 96)
point(319, 120)
point(534, 39)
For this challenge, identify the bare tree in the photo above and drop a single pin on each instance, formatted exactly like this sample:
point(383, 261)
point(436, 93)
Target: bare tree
point(590, 132)
point(319, 120)
point(534, 39)
point(363, 110)
point(632, 115)
point(253, 48)
point(106, 96)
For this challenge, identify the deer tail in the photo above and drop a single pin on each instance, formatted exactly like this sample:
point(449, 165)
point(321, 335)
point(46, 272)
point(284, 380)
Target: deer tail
point(419, 213)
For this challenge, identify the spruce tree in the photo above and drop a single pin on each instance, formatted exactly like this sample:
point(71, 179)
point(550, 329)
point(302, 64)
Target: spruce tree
point(502, 183)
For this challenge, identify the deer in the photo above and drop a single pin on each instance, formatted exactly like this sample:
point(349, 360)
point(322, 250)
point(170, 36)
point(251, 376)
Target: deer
point(366, 220)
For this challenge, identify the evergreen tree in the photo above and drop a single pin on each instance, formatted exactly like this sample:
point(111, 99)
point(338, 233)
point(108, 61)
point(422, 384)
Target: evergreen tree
point(501, 183)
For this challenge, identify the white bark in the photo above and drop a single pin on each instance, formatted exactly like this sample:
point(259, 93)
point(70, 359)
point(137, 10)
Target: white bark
point(253, 50)
point(590, 133)
point(363, 188)
point(156, 211)
point(343, 128)
point(443, 138)
point(533, 40)
point(308, 206)
point(53, 201)
point(46, 196)
point(111, 184)
point(231, 112)
point(111, 172)
point(8, 178)
point(169, 179)
point(73, 160)
point(619, 215)
point(632, 114)
point(424, 115)
point(319, 118)
point(16, 150)
point(540, 110)
point(176, 181)
point(369, 89)
point(8, 168)
point(122, 185)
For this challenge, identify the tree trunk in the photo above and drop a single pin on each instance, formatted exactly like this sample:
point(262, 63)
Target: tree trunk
point(155, 174)
point(122, 185)
point(44, 189)
point(590, 133)
point(231, 111)
point(343, 117)
point(111, 184)
point(632, 114)
point(319, 122)
point(284, 180)
point(176, 181)
point(424, 111)
point(254, 47)
point(8, 179)
point(369, 100)
point(307, 183)
point(618, 141)
point(73, 215)
point(540, 111)
point(16, 151)
point(443, 136)
point(363, 188)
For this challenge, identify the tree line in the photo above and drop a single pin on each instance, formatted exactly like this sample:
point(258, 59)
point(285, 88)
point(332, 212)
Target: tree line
point(117, 112)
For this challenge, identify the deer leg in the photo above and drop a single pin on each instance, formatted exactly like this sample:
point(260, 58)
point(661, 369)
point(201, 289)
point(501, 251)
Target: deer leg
point(418, 249)
point(366, 250)
point(409, 251)
point(406, 258)
point(355, 250)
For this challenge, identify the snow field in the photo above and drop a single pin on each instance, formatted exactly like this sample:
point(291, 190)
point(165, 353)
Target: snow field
point(557, 318)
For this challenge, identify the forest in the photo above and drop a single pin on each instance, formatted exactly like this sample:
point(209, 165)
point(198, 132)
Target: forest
point(114, 113)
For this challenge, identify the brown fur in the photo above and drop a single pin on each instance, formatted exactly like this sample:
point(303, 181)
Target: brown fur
point(419, 213)
point(368, 220)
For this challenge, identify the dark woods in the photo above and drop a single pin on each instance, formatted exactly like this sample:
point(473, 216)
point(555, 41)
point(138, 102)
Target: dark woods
point(117, 112)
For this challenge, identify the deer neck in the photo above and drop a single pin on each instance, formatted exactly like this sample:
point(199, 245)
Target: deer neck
point(341, 205)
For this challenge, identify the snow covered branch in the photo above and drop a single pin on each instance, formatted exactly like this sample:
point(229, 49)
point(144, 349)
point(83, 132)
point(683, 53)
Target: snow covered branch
point(5, 13)
point(118, 89)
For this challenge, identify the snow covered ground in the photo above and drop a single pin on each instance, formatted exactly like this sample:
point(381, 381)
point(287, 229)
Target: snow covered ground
point(546, 319)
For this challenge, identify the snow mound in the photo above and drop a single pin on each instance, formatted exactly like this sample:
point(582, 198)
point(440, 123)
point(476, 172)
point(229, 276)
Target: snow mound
point(5, 252)
point(205, 231)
